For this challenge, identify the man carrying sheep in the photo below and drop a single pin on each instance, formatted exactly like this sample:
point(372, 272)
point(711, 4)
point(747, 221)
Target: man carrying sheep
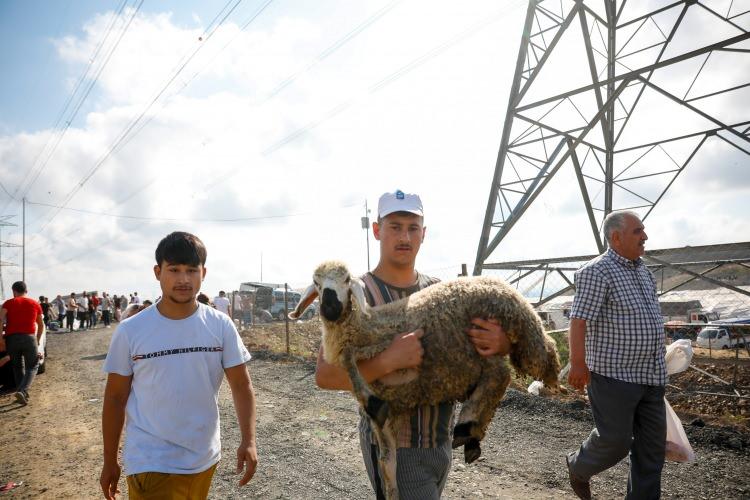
point(424, 436)
point(617, 349)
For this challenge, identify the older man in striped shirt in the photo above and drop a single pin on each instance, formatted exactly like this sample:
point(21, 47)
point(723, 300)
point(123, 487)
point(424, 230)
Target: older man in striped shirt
point(617, 349)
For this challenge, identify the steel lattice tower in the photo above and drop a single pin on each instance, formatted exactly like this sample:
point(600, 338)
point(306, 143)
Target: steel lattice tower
point(631, 54)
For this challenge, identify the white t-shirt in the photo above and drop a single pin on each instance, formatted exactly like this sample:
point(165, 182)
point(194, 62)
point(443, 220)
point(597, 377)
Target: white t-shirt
point(222, 304)
point(83, 303)
point(136, 300)
point(172, 415)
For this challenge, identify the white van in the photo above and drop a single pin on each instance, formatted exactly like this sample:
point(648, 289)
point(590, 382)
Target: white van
point(720, 337)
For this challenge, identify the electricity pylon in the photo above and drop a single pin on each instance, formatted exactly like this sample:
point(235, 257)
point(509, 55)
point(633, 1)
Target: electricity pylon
point(626, 94)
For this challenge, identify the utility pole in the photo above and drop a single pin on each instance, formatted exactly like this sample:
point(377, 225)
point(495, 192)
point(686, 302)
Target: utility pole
point(366, 227)
point(4, 223)
point(2, 283)
point(23, 242)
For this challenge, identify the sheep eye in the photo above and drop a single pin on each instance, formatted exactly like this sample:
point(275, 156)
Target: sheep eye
point(348, 279)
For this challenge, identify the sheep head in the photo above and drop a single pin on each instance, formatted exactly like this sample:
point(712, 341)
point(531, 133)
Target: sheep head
point(336, 289)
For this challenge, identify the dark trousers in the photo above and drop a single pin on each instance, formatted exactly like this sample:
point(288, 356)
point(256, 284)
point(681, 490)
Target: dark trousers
point(105, 317)
point(629, 418)
point(70, 317)
point(92, 318)
point(83, 320)
point(22, 350)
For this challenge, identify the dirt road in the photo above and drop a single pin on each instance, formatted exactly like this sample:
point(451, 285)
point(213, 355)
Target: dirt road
point(308, 443)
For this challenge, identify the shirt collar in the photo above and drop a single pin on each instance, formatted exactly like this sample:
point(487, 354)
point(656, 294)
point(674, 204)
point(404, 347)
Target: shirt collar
point(622, 260)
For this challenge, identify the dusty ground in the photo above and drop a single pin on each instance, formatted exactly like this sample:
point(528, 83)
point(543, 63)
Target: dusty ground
point(308, 441)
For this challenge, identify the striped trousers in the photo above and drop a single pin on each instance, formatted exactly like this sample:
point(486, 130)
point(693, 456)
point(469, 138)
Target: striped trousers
point(421, 472)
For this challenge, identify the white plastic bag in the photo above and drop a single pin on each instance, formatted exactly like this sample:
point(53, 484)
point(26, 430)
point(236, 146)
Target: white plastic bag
point(678, 447)
point(535, 387)
point(679, 355)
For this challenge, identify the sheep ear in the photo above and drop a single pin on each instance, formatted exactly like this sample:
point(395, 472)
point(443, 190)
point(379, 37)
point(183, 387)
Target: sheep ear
point(307, 298)
point(358, 294)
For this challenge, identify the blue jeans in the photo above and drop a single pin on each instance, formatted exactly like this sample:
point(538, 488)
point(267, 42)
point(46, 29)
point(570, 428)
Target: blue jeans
point(247, 318)
point(22, 350)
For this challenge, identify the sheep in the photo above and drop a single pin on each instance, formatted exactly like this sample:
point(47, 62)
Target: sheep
point(451, 369)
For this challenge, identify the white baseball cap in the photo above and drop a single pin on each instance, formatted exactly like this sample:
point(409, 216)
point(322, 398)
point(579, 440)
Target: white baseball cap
point(399, 201)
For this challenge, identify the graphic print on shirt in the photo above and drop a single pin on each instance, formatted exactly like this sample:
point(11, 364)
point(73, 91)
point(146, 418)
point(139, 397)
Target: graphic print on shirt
point(180, 350)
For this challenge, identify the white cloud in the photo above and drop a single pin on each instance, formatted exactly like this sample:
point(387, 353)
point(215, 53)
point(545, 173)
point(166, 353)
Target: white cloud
point(434, 131)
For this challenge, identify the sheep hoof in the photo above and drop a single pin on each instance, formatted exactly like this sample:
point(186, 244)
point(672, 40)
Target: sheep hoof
point(472, 450)
point(462, 434)
point(377, 409)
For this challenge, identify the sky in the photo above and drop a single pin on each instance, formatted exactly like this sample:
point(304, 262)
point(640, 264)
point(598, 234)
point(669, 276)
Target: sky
point(264, 127)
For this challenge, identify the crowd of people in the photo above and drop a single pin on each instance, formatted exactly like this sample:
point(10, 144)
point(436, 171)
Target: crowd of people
point(88, 309)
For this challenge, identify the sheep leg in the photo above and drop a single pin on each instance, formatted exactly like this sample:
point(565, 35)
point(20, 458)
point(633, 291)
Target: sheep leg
point(534, 353)
point(376, 408)
point(476, 412)
point(387, 459)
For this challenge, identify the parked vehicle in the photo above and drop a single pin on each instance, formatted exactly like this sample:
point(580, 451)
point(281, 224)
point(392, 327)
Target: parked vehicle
point(730, 333)
point(687, 325)
point(268, 301)
point(277, 309)
point(555, 315)
point(292, 299)
point(262, 298)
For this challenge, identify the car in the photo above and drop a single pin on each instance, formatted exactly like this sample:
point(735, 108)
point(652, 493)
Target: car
point(277, 309)
point(311, 311)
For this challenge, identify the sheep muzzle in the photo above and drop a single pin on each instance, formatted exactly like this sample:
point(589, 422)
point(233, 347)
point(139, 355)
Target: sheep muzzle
point(330, 305)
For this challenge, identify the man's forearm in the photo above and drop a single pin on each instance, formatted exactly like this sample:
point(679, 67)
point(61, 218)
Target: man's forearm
point(333, 377)
point(577, 340)
point(244, 406)
point(113, 419)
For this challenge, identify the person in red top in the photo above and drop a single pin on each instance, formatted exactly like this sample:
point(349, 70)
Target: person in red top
point(24, 326)
point(93, 306)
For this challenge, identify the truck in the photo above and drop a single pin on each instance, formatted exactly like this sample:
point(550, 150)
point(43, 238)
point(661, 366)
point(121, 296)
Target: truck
point(729, 333)
point(683, 320)
point(555, 314)
point(268, 301)
point(260, 295)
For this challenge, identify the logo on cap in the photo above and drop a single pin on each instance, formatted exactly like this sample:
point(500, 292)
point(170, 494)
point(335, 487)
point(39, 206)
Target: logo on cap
point(399, 195)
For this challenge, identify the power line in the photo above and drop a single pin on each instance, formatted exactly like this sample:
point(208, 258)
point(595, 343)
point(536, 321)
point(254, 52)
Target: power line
point(379, 85)
point(87, 92)
point(284, 83)
point(389, 79)
point(89, 250)
point(195, 75)
point(332, 48)
point(64, 109)
point(133, 123)
point(170, 219)
point(124, 138)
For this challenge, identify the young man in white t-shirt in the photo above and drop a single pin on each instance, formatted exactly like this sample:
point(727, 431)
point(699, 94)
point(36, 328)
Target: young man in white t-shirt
point(165, 367)
point(222, 303)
